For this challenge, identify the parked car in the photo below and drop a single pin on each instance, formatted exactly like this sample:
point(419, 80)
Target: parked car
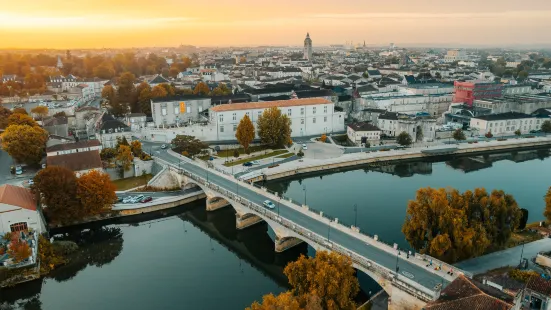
point(255, 162)
point(31, 181)
point(268, 204)
point(147, 199)
point(127, 199)
point(247, 164)
point(18, 170)
point(119, 199)
point(138, 198)
point(304, 147)
point(163, 146)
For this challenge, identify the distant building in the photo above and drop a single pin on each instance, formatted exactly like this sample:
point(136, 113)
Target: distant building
point(468, 91)
point(363, 132)
point(392, 124)
point(172, 110)
point(308, 47)
point(455, 55)
point(80, 162)
point(506, 123)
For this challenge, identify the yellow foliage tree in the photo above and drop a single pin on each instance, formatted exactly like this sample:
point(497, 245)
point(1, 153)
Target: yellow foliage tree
point(274, 128)
point(25, 143)
point(201, 89)
point(136, 148)
point(18, 249)
point(96, 192)
point(547, 212)
point(41, 111)
point(158, 92)
point(21, 119)
point(124, 157)
point(245, 132)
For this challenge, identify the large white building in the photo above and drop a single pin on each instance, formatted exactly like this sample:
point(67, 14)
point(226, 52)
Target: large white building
point(18, 210)
point(506, 123)
point(392, 124)
point(455, 55)
point(309, 117)
point(360, 133)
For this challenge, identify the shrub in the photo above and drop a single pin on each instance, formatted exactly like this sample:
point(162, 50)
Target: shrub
point(185, 153)
point(235, 153)
point(300, 153)
point(522, 275)
point(323, 138)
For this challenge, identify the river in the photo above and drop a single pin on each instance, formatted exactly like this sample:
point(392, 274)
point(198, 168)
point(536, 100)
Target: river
point(192, 259)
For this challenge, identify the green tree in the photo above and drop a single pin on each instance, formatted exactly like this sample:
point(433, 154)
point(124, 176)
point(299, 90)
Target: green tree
point(546, 127)
point(126, 91)
point(419, 133)
point(245, 132)
point(274, 128)
point(547, 211)
point(201, 89)
point(518, 133)
point(522, 75)
point(404, 139)
point(459, 135)
point(24, 143)
point(189, 144)
point(144, 100)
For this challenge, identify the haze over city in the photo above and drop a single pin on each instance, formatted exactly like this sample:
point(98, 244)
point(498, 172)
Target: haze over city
point(118, 24)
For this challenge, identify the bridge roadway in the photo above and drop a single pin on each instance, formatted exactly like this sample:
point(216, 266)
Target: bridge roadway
point(427, 277)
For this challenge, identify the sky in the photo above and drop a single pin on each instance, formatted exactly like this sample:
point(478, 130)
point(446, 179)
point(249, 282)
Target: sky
point(74, 24)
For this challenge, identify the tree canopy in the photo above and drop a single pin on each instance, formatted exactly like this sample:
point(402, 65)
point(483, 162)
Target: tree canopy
point(546, 127)
point(221, 89)
point(201, 89)
point(404, 139)
point(96, 192)
point(25, 143)
point(274, 128)
point(21, 119)
point(124, 156)
point(4, 115)
point(547, 211)
point(453, 226)
point(188, 144)
point(459, 135)
point(245, 132)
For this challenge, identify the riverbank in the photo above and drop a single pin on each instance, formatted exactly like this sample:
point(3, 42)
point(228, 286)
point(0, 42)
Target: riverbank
point(309, 165)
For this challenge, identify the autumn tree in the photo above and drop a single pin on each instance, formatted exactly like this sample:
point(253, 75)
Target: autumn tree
point(287, 301)
point(18, 250)
point(25, 143)
point(546, 127)
point(122, 141)
point(57, 187)
point(20, 111)
point(21, 119)
point(201, 89)
point(189, 144)
point(126, 89)
point(41, 111)
point(96, 192)
point(4, 115)
point(124, 157)
point(108, 154)
point(221, 89)
point(404, 139)
point(274, 128)
point(136, 148)
point(452, 226)
point(323, 138)
point(158, 92)
point(144, 97)
point(328, 275)
point(108, 92)
point(170, 91)
point(547, 211)
point(459, 135)
point(489, 135)
point(245, 132)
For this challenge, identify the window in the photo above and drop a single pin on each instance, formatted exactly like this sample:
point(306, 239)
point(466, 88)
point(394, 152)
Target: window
point(314, 110)
point(176, 110)
point(234, 128)
point(221, 118)
point(301, 111)
point(248, 114)
point(325, 119)
point(163, 111)
point(289, 112)
point(314, 120)
point(18, 227)
point(259, 113)
point(302, 121)
point(221, 128)
point(188, 109)
point(234, 116)
point(325, 109)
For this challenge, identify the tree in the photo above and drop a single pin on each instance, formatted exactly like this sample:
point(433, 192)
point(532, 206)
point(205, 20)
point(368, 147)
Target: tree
point(523, 219)
point(518, 133)
point(136, 147)
point(546, 127)
point(547, 211)
point(522, 75)
point(57, 187)
point(41, 111)
point(323, 138)
point(189, 144)
point(220, 90)
point(20, 111)
point(245, 132)
point(274, 128)
point(4, 115)
point(201, 89)
point(96, 192)
point(158, 92)
point(126, 91)
point(144, 98)
point(122, 141)
point(419, 133)
point(170, 91)
point(18, 249)
point(404, 139)
point(124, 157)
point(459, 135)
point(328, 275)
point(21, 119)
point(489, 135)
point(108, 92)
point(108, 153)
point(453, 226)
point(25, 143)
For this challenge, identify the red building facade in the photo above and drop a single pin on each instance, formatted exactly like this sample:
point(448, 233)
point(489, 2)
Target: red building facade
point(468, 91)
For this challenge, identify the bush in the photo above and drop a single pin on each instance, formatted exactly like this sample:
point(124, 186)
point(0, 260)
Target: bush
point(323, 138)
point(185, 153)
point(522, 275)
point(235, 153)
point(300, 153)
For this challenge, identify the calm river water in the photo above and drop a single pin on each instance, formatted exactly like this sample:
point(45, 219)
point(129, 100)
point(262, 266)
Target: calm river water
point(192, 259)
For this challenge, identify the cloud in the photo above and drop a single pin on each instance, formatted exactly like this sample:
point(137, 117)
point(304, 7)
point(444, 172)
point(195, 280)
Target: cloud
point(400, 15)
point(12, 21)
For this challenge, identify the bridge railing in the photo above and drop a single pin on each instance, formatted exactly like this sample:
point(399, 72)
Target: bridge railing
point(408, 285)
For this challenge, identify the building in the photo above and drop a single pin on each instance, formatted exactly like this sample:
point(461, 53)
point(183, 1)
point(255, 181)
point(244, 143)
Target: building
point(455, 55)
point(80, 162)
point(506, 123)
point(75, 147)
point(308, 47)
point(109, 129)
point(136, 121)
point(18, 210)
point(56, 125)
point(537, 293)
point(434, 104)
point(363, 132)
point(468, 91)
point(392, 124)
point(177, 110)
point(309, 117)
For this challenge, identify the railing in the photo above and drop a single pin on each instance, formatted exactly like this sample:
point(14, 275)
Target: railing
point(424, 294)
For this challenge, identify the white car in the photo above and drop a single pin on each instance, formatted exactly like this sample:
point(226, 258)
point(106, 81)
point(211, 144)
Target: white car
point(255, 162)
point(18, 170)
point(304, 147)
point(138, 199)
point(31, 181)
point(127, 199)
point(268, 204)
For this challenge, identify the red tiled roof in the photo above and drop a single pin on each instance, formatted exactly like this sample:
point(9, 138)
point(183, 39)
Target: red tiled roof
point(540, 285)
point(269, 104)
point(17, 196)
point(76, 161)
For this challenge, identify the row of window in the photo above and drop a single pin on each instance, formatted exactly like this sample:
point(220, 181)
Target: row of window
point(301, 122)
point(289, 113)
point(526, 122)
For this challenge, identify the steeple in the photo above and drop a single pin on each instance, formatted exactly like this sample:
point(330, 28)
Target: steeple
point(308, 47)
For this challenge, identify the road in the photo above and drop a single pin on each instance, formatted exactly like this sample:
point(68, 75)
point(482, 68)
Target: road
point(421, 275)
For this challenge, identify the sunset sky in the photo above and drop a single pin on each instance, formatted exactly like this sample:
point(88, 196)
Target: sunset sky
point(139, 23)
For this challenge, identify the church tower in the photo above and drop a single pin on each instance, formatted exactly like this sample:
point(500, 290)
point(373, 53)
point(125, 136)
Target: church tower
point(59, 63)
point(308, 47)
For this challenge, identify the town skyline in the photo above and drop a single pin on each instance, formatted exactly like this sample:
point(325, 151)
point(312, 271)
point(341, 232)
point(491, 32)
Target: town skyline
point(55, 24)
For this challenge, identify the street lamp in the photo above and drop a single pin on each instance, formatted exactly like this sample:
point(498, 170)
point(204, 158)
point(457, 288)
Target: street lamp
point(278, 202)
point(355, 215)
point(521, 252)
point(304, 189)
point(328, 231)
point(397, 268)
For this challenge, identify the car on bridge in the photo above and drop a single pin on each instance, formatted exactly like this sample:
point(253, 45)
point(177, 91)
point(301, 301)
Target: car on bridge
point(146, 199)
point(268, 204)
point(247, 164)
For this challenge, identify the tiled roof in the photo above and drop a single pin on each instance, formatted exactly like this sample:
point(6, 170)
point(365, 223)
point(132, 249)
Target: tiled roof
point(270, 104)
point(540, 285)
point(462, 294)
point(17, 196)
point(72, 146)
point(76, 161)
point(363, 126)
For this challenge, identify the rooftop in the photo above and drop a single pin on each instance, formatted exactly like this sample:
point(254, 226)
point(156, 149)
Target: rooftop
point(179, 98)
point(76, 161)
point(72, 146)
point(270, 104)
point(503, 116)
point(363, 126)
point(17, 196)
point(540, 285)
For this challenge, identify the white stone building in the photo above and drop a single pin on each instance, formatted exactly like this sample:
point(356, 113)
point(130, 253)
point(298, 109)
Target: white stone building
point(18, 210)
point(455, 55)
point(363, 132)
point(506, 123)
point(392, 124)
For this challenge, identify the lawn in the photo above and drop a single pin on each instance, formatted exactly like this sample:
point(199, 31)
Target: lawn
point(241, 161)
point(286, 155)
point(128, 183)
point(521, 237)
point(252, 149)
